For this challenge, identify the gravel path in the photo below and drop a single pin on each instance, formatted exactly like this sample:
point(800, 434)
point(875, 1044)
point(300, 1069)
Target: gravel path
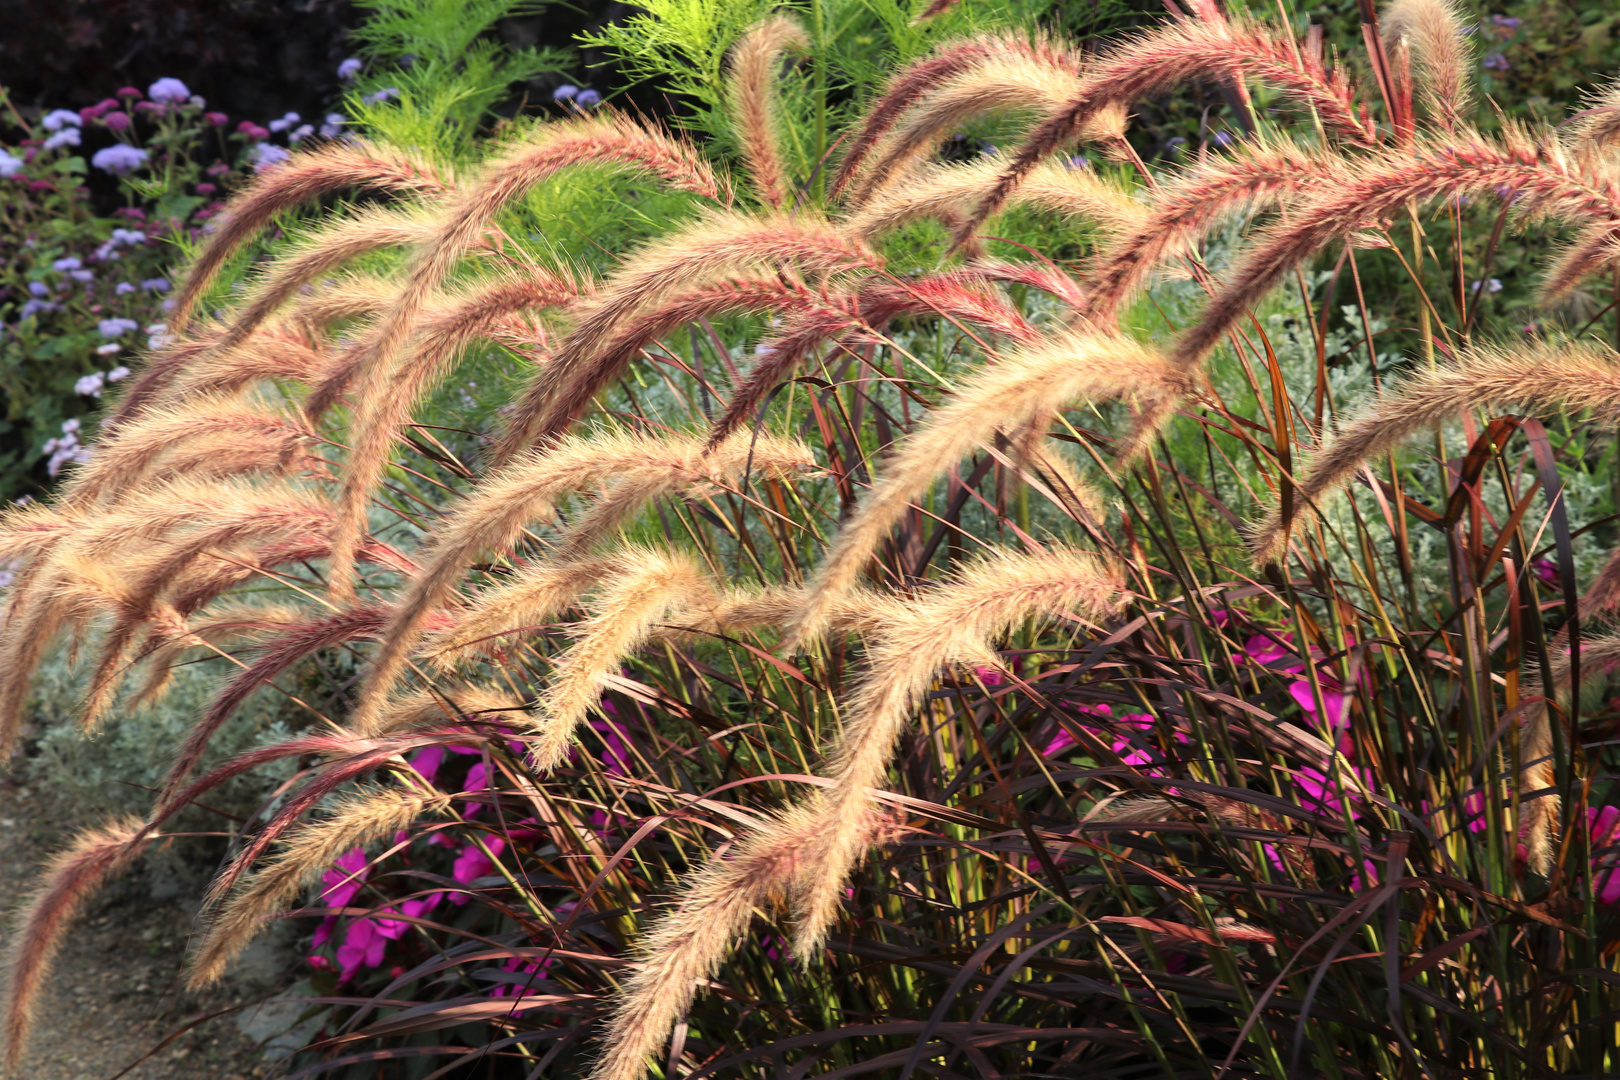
point(115, 993)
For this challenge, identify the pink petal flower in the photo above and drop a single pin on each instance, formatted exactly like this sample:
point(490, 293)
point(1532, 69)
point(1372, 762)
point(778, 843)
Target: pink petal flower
point(426, 762)
point(473, 864)
point(344, 880)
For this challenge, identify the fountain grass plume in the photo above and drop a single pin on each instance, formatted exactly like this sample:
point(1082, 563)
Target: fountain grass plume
point(65, 883)
point(448, 324)
point(957, 623)
point(356, 821)
point(526, 602)
point(687, 945)
point(1594, 249)
point(912, 84)
point(1551, 376)
point(307, 176)
point(291, 644)
point(494, 515)
point(125, 459)
point(1262, 173)
point(718, 244)
point(651, 588)
point(1538, 816)
point(1177, 52)
point(1022, 386)
point(804, 855)
point(860, 316)
point(1433, 33)
point(996, 85)
point(1598, 122)
point(752, 105)
point(946, 192)
point(1532, 168)
point(606, 140)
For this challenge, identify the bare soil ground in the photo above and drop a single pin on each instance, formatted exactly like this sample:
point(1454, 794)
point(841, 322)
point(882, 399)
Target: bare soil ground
point(115, 992)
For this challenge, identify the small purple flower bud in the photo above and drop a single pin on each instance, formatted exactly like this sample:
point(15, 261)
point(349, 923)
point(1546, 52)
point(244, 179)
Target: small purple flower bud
point(252, 131)
point(565, 92)
point(9, 166)
point(54, 119)
point(349, 69)
point(216, 119)
point(66, 137)
point(111, 328)
point(588, 99)
point(63, 265)
point(299, 134)
point(156, 284)
point(167, 89)
point(117, 121)
point(38, 288)
point(206, 189)
point(1495, 62)
point(267, 156)
point(128, 92)
point(124, 288)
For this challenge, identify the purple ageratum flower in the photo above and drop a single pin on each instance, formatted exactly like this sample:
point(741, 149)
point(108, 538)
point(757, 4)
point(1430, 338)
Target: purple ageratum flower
point(349, 69)
point(333, 127)
point(168, 90)
point(120, 160)
point(565, 92)
point(64, 265)
point(111, 328)
point(56, 118)
point(112, 349)
point(588, 99)
point(124, 288)
point(299, 134)
point(156, 284)
point(82, 275)
point(387, 93)
point(285, 122)
point(9, 166)
point(90, 385)
point(1507, 22)
point(117, 121)
point(1495, 62)
point(65, 137)
point(267, 156)
point(39, 288)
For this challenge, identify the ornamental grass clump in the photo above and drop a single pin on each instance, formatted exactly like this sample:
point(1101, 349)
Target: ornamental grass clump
point(896, 613)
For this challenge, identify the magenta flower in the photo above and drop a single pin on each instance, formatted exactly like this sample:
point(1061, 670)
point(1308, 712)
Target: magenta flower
point(343, 881)
point(427, 760)
point(128, 92)
point(473, 864)
point(117, 121)
point(362, 944)
point(252, 130)
point(216, 119)
point(1603, 826)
